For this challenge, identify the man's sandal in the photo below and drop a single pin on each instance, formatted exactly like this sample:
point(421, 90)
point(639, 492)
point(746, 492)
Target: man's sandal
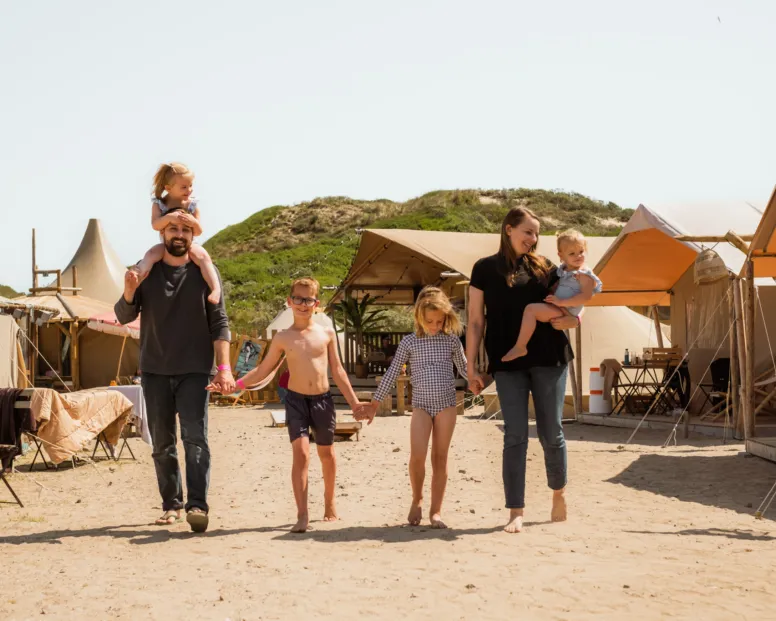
point(198, 520)
point(168, 518)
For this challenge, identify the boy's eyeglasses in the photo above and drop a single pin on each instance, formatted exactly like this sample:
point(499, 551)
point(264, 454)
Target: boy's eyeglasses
point(299, 301)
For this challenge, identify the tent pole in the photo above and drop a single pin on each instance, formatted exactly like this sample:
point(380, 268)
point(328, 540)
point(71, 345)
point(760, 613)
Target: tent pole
point(348, 368)
point(658, 330)
point(34, 265)
point(750, 349)
point(121, 356)
point(741, 348)
point(578, 335)
point(34, 358)
point(734, 382)
point(75, 371)
point(575, 392)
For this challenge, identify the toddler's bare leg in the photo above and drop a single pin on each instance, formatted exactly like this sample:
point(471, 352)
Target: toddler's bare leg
point(532, 314)
point(301, 449)
point(420, 433)
point(154, 255)
point(202, 259)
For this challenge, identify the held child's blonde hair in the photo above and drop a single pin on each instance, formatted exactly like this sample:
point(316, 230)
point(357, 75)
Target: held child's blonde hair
point(165, 174)
point(571, 237)
point(434, 299)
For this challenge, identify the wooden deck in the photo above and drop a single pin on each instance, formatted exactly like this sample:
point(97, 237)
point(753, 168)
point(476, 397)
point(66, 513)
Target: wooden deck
point(665, 423)
point(660, 423)
point(762, 447)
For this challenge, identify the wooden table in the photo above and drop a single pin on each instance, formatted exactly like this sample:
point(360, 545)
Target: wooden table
point(644, 383)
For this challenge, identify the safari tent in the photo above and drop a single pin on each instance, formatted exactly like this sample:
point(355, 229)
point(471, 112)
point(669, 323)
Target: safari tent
point(653, 262)
point(394, 264)
point(78, 350)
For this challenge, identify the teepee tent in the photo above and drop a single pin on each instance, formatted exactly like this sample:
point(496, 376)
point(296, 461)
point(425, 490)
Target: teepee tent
point(99, 272)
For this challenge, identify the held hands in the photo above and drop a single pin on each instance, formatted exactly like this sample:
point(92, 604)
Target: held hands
point(366, 411)
point(223, 383)
point(476, 382)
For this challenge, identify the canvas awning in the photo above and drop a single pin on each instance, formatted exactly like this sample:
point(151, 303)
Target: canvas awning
point(762, 249)
point(390, 262)
point(646, 261)
point(109, 324)
point(25, 306)
point(68, 307)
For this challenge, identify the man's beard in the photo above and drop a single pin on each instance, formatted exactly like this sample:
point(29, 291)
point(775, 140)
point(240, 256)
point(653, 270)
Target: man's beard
point(177, 246)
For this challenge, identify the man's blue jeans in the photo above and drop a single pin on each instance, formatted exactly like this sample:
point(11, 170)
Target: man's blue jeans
point(184, 395)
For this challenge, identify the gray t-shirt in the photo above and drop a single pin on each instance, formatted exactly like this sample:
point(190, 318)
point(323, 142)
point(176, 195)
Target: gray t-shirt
point(179, 325)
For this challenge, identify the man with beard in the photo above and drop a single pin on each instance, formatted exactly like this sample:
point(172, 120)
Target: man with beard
point(180, 333)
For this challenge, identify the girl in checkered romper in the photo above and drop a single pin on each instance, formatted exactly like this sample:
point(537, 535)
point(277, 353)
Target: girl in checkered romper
point(430, 352)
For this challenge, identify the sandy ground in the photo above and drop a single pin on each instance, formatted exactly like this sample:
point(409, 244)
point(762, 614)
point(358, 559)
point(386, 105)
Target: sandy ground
point(652, 533)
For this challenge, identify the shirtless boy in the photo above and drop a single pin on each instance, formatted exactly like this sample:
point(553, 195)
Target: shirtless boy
point(309, 349)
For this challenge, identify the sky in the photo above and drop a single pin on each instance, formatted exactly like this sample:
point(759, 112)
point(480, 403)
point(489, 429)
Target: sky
point(280, 102)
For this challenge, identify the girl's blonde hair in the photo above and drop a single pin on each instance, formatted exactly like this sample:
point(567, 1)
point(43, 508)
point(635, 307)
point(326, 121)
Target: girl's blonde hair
point(571, 236)
point(433, 298)
point(165, 175)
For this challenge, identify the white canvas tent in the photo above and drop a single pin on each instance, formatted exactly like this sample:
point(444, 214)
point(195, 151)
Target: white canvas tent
point(9, 361)
point(285, 318)
point(12, 365)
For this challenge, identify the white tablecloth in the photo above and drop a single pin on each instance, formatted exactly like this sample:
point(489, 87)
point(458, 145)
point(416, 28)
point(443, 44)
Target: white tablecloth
point(135, 395)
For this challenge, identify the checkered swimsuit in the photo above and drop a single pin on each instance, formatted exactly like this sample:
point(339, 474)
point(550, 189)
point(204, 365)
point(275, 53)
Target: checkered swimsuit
point(431, 362)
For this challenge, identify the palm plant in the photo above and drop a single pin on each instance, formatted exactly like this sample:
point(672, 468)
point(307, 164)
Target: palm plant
point(359, 319)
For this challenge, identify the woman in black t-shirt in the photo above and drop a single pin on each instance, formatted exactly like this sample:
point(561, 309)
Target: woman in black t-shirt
point(504, 284)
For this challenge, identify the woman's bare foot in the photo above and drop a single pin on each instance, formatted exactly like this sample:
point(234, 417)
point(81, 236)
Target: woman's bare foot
point(558, 506)
point(330, 514)
point(215, 296)
point(416, 514)
point(515, 524)
point(436, 521)
point(302, 524)
point(516, 352)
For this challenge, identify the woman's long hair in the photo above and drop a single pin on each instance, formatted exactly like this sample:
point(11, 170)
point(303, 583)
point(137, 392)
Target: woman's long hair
point(509, 258)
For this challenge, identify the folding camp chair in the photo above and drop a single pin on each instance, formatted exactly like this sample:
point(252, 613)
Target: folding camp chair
point(5, 451)
point(716, 392)
point(39, 451)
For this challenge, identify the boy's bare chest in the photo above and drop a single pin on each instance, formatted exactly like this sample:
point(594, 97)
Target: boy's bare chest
point(307, 346)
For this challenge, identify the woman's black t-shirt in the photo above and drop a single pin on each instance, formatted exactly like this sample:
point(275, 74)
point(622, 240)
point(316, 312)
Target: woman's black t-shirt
point(504, 306)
